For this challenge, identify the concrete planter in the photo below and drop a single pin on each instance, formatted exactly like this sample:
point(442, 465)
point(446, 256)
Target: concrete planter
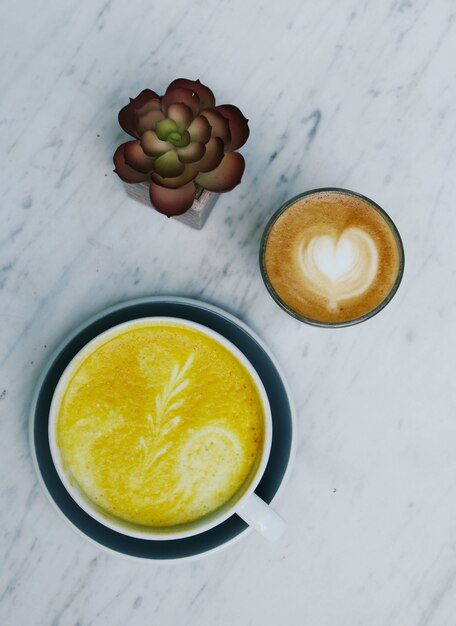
point(195, 217)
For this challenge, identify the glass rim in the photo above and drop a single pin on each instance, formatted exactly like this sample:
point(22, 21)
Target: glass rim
point(313, 322)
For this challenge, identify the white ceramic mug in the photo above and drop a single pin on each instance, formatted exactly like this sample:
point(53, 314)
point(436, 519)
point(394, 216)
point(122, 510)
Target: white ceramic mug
point(248, 505)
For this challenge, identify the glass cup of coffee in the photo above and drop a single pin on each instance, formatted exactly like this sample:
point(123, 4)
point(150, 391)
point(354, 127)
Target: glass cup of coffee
point(331, 257)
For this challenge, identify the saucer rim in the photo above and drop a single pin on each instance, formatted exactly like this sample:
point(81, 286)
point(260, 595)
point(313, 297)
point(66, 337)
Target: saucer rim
point(112, 309)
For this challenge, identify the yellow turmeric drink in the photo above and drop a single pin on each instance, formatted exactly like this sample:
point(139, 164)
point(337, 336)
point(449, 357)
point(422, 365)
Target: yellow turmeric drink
point(160, 424)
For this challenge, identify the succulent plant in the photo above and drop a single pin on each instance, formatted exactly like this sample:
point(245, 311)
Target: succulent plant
point(181, 139)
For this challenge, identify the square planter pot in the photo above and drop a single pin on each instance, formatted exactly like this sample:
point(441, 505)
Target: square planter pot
point(195, 217)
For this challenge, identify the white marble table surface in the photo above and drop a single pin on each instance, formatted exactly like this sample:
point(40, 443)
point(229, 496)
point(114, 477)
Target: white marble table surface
point(354, 94)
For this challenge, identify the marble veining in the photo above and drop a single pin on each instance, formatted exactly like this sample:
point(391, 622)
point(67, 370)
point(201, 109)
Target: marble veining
point(353, 94)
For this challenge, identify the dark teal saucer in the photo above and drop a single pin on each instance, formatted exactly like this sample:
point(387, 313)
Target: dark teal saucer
point(255, 351)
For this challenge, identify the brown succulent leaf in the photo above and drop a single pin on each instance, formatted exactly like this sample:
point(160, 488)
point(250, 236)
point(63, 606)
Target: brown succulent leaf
point(127, 117)
point(127, 120)
point(238, 124)
point(212, 157)
point(226, 176)
point(153, 104)
point(134, 157)
point(144, 96)
point(168, 165)
point(172, 201)
point(148, 120)
point(181, 95)
point(124, 171)
point(181, 114)
point(219, 125)
point(200, 129)
point(187, 175)
point(206, 96)
point(191, 153)
point(153, 146)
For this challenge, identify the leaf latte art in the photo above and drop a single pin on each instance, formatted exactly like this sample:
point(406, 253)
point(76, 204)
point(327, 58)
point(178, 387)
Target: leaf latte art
point(339, 268)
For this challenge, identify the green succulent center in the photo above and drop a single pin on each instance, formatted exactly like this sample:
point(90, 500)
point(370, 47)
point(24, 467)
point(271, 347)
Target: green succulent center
point(179, 139)
point(167, 130)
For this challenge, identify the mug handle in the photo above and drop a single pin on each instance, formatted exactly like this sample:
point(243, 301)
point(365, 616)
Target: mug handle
point(261, 517)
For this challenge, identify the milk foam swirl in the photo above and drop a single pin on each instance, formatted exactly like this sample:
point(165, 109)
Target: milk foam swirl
point(209, 462)
point(206, 467)
point(338, 268)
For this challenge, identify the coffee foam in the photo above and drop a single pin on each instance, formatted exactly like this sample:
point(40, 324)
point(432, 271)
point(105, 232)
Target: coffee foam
point(161, 425)
point(338, 269)
point(331, 257)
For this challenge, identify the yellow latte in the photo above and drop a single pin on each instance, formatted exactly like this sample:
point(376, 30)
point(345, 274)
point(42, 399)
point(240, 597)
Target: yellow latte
point(160, 425)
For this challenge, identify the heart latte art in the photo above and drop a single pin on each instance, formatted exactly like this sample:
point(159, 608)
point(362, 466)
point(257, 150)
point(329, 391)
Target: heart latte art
point(339, 268)
point(331, 257)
